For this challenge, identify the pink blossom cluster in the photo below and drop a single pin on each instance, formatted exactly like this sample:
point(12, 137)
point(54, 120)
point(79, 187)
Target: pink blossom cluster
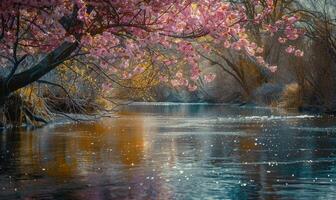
point(292, 50)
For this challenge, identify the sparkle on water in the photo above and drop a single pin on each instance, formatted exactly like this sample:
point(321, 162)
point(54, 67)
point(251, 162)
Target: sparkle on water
point(174, 151)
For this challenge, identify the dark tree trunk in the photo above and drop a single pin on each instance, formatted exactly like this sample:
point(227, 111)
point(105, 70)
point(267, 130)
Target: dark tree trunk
point(48, 63)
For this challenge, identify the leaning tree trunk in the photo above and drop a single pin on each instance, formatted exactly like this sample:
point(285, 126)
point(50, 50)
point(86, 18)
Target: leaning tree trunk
point(48, 63)
point(11, 106)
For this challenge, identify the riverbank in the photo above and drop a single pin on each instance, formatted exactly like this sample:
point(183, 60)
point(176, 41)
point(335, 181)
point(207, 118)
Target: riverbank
point(68, 118)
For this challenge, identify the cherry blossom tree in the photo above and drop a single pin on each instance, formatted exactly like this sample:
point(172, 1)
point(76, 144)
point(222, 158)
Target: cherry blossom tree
point(38, 36)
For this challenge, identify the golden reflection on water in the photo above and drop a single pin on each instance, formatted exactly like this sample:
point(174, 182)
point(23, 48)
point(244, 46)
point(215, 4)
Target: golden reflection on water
point(71, 148)
point(130, 137)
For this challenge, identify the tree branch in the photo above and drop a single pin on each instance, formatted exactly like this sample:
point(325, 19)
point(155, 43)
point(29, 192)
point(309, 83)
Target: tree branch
point(48, 63)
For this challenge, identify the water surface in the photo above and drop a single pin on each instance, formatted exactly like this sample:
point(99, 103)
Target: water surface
point(174, 151)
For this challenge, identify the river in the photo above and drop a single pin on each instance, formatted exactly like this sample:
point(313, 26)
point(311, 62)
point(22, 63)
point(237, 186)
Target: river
point(174, 151)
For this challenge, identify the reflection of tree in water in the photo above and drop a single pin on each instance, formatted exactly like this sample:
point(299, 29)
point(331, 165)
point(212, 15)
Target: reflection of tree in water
point(257, 177)
point(129, 136)
point(8, 148)
point(94, 160)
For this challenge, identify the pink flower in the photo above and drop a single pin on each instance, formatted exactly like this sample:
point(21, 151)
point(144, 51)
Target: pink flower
point(195, 73)
point(227, 44)
point(290, 49)
point(299, 53)
point(209, 77)
point(126, 75)
point(167, 62)
point(194, 77)
point(250, 51)
point(174, 83)
point(184, 82)
point(253, 45)
point(293, 36)
point(81, 13)
point(282, 40)
point(272, 29)
point(293, 19)
point(192, 87)
point(236, 46)
point(186, 48)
